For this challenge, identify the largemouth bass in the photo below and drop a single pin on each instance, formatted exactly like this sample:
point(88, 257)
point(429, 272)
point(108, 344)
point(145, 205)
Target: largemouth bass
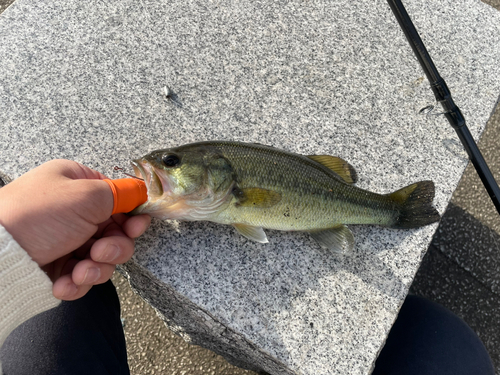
point(252, 186)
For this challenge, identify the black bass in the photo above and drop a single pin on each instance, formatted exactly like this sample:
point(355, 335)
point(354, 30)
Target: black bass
point(252, 186)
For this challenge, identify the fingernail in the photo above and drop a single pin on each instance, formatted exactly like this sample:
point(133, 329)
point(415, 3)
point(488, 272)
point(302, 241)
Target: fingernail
point(70, 290)
point(111, 252)
point(92, 274)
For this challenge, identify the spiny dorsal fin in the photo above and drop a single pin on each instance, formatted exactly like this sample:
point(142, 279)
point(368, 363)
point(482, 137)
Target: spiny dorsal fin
point(340, 166)
point(256, 197)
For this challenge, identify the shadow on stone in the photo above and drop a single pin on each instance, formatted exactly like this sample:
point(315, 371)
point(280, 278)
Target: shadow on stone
point(460, 272)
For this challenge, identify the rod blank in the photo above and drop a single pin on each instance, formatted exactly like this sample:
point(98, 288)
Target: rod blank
point(443, 96)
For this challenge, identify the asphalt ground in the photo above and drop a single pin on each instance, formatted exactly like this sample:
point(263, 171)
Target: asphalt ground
point(459, 271)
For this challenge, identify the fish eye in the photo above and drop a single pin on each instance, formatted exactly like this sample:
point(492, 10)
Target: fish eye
point(171, 160)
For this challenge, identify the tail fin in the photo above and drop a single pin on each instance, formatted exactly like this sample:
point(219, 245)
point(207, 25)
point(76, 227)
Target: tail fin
point(415, 205)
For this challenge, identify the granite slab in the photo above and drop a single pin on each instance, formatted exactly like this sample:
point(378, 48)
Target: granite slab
point(84, 81)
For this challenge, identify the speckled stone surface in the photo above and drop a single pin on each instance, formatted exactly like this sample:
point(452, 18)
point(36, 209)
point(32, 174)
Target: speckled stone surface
point(85, 81)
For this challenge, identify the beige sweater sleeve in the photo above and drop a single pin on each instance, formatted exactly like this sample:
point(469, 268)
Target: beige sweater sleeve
point(25, 290)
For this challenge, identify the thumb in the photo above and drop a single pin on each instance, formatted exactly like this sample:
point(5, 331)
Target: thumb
point(93, 200)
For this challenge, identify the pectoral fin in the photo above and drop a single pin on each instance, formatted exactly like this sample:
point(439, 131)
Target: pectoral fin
point(340, 166)
point(256, 197)
point(338, 239)
point(252, 233)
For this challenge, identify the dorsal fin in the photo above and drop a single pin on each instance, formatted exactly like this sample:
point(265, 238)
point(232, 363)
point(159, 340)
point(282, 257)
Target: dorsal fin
point(340, 166)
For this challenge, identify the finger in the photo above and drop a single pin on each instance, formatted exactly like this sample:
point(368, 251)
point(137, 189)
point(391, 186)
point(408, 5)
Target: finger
point(113, 250)
point(55, 269)
point(136, 225)
point(102, 227)
point(88, 272)
point(69, 266)
point(111, 226)
point(119, 221)
point(83, 251)
point(120, 218)
point(71, 169)
point(87, 172)
point(113, 229)
point(92, 199)
point(65, 289)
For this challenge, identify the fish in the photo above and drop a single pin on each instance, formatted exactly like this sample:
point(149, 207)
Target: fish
point(255, 187)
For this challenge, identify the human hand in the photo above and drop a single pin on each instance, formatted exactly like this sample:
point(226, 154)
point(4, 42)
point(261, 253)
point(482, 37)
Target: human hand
point(60, 214)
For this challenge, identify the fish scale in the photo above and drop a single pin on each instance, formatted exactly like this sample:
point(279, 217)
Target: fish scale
point(253, 186)
point(312, 195)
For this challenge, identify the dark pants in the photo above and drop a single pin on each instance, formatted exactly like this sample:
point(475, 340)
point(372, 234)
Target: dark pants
point(79, 337)
point(429, 339)
point(86, 337)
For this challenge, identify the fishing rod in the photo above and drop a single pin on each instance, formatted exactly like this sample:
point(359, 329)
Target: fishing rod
point(443, 96)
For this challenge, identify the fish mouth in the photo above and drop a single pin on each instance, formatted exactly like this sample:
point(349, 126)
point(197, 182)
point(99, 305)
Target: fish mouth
point(154, 183)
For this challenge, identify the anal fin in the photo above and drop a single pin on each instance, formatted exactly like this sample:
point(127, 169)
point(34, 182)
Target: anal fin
point(338, 239)
point(252, 233)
